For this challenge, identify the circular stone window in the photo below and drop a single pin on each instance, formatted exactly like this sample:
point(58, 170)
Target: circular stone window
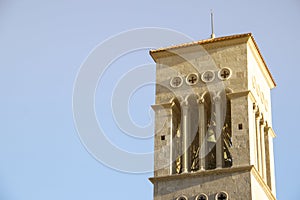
point(222, 196)
point(224, 74)
point(208, 76)
point(201, 197)
point(182, 197)
point(176, 82)
point(192, 79)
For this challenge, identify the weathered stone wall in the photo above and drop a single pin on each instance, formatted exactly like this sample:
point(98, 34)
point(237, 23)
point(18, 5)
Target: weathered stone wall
point(236, 184)
point(240, 138)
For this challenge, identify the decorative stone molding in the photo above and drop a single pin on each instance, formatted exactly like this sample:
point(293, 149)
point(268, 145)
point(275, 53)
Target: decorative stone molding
point(201, 196)
point(221, 196)
point(182, 197)
point(208, 76)
point(224, 74)
point(176, 82)
point(192, 79)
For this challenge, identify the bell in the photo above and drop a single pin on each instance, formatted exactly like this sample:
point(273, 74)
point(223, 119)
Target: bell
point(211, 136)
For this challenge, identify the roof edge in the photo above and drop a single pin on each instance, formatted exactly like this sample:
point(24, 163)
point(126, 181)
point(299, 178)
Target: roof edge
point(200, 42)
point(155, 53)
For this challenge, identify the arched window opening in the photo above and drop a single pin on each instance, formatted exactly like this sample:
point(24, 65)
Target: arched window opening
point(202, 133)
point(177, 146)
point(227, 135)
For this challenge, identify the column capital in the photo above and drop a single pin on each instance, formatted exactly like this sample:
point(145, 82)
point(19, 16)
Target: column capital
point(267, 126)
point(262, 119)
point(216, 98)
point(200, 100)
point(256, 110)
point(258, 114)
point(184, 103)
point(263, 122)
point(255, 107)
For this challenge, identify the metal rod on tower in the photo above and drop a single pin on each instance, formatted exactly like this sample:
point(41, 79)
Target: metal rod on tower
point(212, 24)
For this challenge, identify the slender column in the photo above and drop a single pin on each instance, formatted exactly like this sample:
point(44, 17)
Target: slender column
point(268, 165)
point(202, 128)
point(219, 135)
point(271, 171)
point(172, 153)
point(185, 137)
point(257, 122)
point(263, 148)
point(173, 123)
point(254, 136)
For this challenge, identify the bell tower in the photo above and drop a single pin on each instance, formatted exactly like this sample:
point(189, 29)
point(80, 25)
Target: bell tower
point(213, 122)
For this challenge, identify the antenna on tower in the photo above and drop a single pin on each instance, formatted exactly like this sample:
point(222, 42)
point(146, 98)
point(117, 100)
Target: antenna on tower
point(212, 24)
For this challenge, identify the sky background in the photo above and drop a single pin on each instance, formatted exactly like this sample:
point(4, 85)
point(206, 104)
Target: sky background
point(44, 43)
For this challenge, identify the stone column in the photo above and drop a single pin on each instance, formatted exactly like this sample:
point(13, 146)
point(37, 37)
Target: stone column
point(255, 136)
point(258, 137)
point(185, 130)
point(172, 153)
point(270, 135)
point(268, 165)
point(202, 128)
point(219, 135)
point(263, 149)
point(172, 135)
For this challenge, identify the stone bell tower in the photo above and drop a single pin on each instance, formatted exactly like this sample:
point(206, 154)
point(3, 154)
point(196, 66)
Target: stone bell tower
point(213, 122)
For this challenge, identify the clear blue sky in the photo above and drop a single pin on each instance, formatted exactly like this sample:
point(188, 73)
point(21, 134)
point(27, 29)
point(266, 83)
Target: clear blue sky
point(44, 43)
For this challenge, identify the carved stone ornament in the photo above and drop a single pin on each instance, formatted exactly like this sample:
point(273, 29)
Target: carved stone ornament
point(221, 196)
point(176, 82)
point(224, 74)
point(192, 79)
point(201, 197)
point(208, 76)
point(182, 197)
